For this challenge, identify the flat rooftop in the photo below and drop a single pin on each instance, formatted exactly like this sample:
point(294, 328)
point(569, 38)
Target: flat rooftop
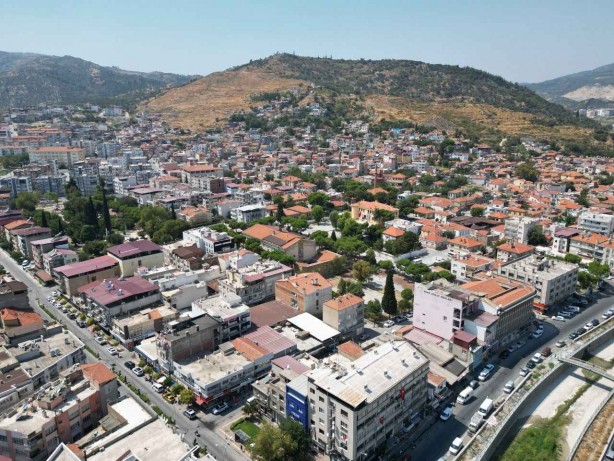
point(371, 375)
point(36, 355)
point(207, 369)
point(221, 307)
point(314, 326)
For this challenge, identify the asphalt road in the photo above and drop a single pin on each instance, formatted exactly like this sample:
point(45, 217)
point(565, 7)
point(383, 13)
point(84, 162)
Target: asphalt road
point(205, 424)
point(434, 443)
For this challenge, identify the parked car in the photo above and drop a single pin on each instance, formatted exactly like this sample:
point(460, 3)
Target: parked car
point(595, 322)
point(388, 323)
point(220, 408)
point(537, 358)
point(537, 333)
point(486, 371)
point(456, 446)
point(112, 350)
point(560, 343)
point(558, 318)
point(25, 263)
point(190, 413)
point(546, 352)
point(512, 348)
point(81, 323)
point(446, 413)
point(474, 384)
point(589, 326)
point(531, 364)
point(129, 364)
point(524, 371)
point(606, 315)
point(138, 371)
point(509, 387)
point(573, 335)
point(505, 354)
point(100, 340)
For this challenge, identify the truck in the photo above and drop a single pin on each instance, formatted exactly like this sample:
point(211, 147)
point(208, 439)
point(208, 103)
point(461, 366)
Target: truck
point(486, 407)
point(476, 422)
point(465, 395)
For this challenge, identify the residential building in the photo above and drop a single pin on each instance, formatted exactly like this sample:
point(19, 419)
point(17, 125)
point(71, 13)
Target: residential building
point(255, 283)
point(508, 252)
point(58, 257)
point(304, 292)
point(368, 212)
point(561, 239)
point(346, 314)
point(464, 245)
point(466, 265)
point(233, 316)
point(73, 276)
point(64, 156)
point(588, 245)
point(23, 238)
point(272, 238)
point(355, 407)
point(324, 263)
point(43, 246)
point(553, 280)
point(114, 297)
point(247, 213)
point(14, 293)
point(16, 185)
point(212, 242)
point(188, 257)
point(517, 229)
point(596, 222)
point(143, 324)
point(139, 253)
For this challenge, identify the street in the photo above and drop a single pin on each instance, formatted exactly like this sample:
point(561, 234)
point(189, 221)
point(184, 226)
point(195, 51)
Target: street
point(434, 443)
point(216, 445)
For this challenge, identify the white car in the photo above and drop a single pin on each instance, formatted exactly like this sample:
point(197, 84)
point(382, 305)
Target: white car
point(138, 371)
point(220, 408)
point(445, 414)
point(100, 340)
point(524, 371)
point(538, 333)
point(589, 325)
point(558, 318)
point(485, 373)
point(388, 323)
point(456, 446)
point(112, 350)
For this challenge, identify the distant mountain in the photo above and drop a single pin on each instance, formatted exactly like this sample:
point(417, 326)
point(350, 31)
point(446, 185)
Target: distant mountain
point(588, 89)
point(447, 97)
point(30, 79)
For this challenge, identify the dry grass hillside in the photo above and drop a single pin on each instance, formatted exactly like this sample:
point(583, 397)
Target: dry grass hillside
point(212, 99)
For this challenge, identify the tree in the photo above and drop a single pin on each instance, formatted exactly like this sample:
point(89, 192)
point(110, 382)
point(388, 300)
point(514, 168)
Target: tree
point(527, 171)
point(373, 310)
point(477, 211)
point(537, 237)
point(338, 266)
point(173, 214)
point(598, 270)
point(381, 216)
point(333, 236)
point(350, 246)
point(299, 437)
point(585, 280)
point(187, 397)
point(407, 206)
point(318, 198)
point(571, 258)
point(272, 444)
point(26, 201)
point(362, 271)
point(106, 216)
point(334, 218)
point(583, 198)
point(115, 238)
point(389, 300)
point(317, 213)
point(90, 218)
point(370, 257)
point(407, 294)
point(280, 212)
point(250, 409)
point(44, 220)
point(406, 243)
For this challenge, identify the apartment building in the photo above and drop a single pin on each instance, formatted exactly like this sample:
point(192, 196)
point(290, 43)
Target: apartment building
point(229, 311)
point(466, 265)
point(561, 239)
point(58, 257)
point(356, 406)
point(212, 242)
point(304, 292)
point(553, 280)
point(72, 276)
point(247, 213)
point(509, 301)
point(64, 156)
point(272, 238)
point(596, 222)
point(255, 283)
point(368, 212)
point(23, 238)
point(512, 251)
point(143, 324)
point(346, 314)
point(588, 245)
point(194, 174)
point(517, 229)
point(140, 253)
point(63, 412)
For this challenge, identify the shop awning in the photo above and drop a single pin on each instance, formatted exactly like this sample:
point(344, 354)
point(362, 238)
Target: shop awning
point(200, 400)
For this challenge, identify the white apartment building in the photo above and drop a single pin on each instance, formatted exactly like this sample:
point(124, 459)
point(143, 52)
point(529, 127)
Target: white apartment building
point(247, 213)
point(229, 311)
point(346, 314)
point(554, 280)
point(517, 229)
point(206, 239)
point(356, 406)
point(596, 222)
point(466, 265)
point(255, 283)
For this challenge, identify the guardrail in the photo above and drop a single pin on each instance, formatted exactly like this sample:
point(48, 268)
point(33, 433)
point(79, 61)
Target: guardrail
point(488, 448)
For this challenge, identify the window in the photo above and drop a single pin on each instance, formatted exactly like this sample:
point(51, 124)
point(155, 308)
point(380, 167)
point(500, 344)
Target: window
point(321, 399)
point(344, 413)
point(320, 410)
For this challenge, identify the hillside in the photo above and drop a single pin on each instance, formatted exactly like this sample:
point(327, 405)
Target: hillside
point(444, 96)
point(589, 89)
point(30, 79)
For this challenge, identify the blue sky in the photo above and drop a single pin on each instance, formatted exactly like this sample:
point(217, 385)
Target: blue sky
point(521, 40)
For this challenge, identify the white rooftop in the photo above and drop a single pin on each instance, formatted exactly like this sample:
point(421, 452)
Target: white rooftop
point(314, 326)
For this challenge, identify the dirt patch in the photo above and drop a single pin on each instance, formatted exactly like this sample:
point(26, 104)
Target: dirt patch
point(597, 436)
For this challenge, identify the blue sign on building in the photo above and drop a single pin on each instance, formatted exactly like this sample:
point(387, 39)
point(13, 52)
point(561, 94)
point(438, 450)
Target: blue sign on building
point(297, 406)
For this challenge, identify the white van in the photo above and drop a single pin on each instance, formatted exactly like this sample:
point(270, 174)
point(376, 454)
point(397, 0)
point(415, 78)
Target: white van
point(486, 408)
point(465, 396)
point(456, 446)
point(159, 388)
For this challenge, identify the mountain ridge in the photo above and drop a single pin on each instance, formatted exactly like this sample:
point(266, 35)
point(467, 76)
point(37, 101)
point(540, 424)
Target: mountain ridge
point(30, 79)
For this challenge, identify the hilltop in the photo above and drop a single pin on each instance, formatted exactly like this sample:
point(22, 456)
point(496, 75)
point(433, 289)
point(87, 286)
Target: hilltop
point(583, 90)
point(448, 97)
point(30, 79)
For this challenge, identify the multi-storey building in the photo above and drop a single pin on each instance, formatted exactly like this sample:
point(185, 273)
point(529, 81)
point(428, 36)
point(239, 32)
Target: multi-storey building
point(357, 406)
point(233, 316)
point(517, 229)
point(367, 212)
point(272, 238)
point(143, 324)
point(554, 281)
point(466, 265)
point(16, 185)
point(64, 156)
point(247, 213)
point(513, 251)
point(588, 245)
point(72, 276)
point(596, 222)
point(140, 253)
point(304, 292)
point(346, 314)
point(562, 238)
point(212, 242)
point(255, 283)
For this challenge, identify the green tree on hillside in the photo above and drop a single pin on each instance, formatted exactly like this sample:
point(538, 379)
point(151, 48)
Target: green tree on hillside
point(389, 300)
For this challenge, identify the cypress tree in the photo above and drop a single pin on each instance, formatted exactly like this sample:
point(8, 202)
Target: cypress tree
point(389, 301)
point(90, 218)
point(333, 236)
point(44, 220)
point(173, 214)
point(60, 226)
point(280, 212)
point(106, 216)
